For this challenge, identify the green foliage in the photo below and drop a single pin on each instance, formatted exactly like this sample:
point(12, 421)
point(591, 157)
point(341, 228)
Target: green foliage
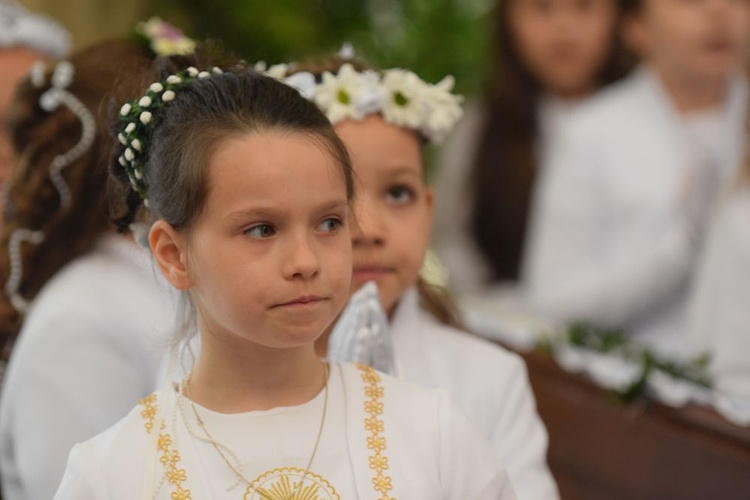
point(432, 37)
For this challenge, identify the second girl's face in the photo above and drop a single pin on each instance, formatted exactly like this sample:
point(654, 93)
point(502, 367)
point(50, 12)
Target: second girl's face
point(270, 257)
point(393, 206)
point(563, 43)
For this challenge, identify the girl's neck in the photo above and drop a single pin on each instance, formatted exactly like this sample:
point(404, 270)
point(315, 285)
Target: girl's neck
point(693, 94)
point(234, 379)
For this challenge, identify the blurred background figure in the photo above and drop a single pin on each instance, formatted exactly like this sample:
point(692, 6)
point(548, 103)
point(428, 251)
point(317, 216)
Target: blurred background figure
point(719, 314)
point(625, 195)
point(548, 56)
point(81, 308)
point(24, 39)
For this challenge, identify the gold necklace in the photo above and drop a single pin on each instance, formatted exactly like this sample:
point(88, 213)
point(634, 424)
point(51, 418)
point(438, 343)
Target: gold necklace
point(183, 389)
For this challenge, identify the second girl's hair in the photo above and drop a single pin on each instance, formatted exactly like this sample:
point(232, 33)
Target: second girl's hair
point(505, 164)
point(188, 129)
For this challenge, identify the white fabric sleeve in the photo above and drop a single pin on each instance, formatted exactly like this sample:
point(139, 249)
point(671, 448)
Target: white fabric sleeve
point(469, 468)
point(565, 272)
point(80, 479)
point(520, 436)
point(76, 377)
point(452, 237)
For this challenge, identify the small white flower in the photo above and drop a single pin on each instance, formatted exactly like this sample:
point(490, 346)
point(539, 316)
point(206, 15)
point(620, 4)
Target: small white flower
point(121, 160)
point(137, 145)
point(217, 71)
point(193, 72)
point(145, 101)
point(133, 183)
point(304, 83)
point(260, 66)
point(167, 96)
point(138, 174)
point(145, 117)
point(125, 109)
point(129, 155)
point(204, 74)
point(123, 140)
point(443, 110)
point(145, 203)
point(173, 79)
point(130, 128)
point(278, 71)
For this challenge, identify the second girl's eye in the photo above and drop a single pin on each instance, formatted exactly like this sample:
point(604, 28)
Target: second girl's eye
point(261, 231)
point(330, 224)
point(399, 195)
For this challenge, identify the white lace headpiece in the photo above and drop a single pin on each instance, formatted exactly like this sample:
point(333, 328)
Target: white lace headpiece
point(21, 28)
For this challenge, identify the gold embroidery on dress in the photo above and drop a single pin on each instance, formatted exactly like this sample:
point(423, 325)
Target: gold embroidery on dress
point(279, 484)
point(169, 457)
point(375, 426)
point(149, 411)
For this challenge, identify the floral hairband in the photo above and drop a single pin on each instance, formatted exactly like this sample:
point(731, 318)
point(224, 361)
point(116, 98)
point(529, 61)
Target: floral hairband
point(137, 119)
point(399, 95)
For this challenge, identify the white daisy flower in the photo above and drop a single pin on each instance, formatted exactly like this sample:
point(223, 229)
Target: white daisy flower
point(443, 110)
point(338, 95)
point(405, 105)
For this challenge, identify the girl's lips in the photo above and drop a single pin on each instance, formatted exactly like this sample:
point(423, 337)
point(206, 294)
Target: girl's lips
point(303, 301)
point(370, 272)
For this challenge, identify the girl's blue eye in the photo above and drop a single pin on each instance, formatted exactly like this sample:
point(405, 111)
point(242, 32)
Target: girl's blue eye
point(261, 231)
point(399, 195)
point(330, 225)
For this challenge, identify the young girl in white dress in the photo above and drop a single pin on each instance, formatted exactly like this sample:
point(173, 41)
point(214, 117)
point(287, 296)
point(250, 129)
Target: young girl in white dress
point(247, 190)
point(384, 119)
point(621, 206)
point(548, 57)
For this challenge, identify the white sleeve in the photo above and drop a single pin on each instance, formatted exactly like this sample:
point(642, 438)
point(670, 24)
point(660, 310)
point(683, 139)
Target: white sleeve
point(567, 273)
point(73, 376)
point(520, 438)
point(81, 480)
point(469, 468)
point(452, 237)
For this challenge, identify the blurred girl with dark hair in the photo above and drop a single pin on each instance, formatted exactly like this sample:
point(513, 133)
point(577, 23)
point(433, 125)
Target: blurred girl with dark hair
point(550, 55)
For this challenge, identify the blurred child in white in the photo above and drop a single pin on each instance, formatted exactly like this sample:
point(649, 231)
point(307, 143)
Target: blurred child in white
point(385, 119)
point(620, 213)
point(81, 311)
point(549, 56)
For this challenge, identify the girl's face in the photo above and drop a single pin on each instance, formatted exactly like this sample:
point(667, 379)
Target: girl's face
point(692, 38)
point(269, 260)
point(563, 43)
point(393, 206)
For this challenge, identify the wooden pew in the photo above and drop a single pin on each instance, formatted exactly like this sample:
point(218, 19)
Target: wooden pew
point(603, 449)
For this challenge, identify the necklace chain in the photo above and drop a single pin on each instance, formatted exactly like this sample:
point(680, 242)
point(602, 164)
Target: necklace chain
point(184, 391)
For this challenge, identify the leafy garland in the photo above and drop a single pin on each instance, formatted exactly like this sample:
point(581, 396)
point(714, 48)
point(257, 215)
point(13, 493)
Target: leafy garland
point(616, 343)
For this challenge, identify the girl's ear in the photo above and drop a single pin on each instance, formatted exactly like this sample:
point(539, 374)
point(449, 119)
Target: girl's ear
point(170, 251)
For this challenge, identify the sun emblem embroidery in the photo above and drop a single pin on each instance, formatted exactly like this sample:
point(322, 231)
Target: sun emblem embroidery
point(283, 483)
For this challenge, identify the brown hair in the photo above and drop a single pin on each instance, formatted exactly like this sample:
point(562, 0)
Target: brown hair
point(32, 201)
point(436, 300)
point(185, 131)
point(505, 165)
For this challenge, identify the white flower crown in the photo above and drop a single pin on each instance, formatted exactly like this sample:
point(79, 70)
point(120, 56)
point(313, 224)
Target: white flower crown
point(399, 95)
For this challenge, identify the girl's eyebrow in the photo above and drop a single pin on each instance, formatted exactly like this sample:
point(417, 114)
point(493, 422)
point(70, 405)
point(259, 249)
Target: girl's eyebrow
point(404, 170)
point(261, 212)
